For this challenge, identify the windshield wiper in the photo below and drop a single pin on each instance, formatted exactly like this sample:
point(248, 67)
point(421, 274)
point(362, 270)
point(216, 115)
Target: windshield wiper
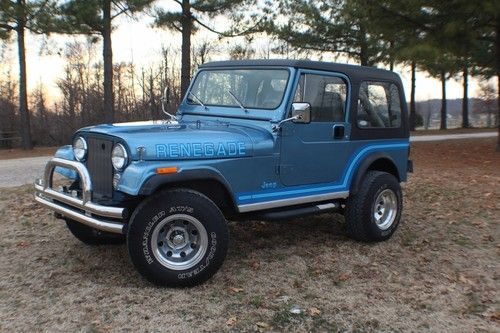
point(237, 101)
point(198, 100)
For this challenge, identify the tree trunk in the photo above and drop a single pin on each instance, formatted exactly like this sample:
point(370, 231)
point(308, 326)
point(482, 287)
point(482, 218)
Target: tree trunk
point(498, 82)
point(443, 101)
point(363, 49)
point(23, 93)
point(391, 57)
point(498, 106)
point(187, 27)
point(152, 104)
point(465, 100)
point(413, 111)
point(109, 112)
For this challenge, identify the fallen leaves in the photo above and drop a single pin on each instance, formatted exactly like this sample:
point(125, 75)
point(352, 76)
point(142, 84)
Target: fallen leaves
point(261, 327)
point(314, 311)
point(465, 280)
point(258, 285)
point(261, 324)
point(254, 264)
point(235, 290)
point(231, 321)
point(344, 277)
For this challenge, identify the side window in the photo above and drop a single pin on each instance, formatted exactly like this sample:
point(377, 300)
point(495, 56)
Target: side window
point(326, 94)
point(379, 105)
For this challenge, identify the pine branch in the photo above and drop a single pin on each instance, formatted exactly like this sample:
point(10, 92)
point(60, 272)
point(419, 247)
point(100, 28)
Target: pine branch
point(31, 16)
point(7, 27)
point(253, 29)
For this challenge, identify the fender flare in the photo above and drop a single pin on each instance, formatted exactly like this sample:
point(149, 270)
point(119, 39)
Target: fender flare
point(155, 182)
point(365, 165)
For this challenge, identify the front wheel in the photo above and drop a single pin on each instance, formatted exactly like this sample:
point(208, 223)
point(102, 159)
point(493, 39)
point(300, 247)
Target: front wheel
point(374, 212)
point(177, 238)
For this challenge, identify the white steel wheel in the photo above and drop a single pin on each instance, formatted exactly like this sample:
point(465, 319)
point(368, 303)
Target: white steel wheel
point(385, 209)
point(179, 242)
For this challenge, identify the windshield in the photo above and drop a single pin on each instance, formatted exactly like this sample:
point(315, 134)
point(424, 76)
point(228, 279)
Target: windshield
point(253, 88)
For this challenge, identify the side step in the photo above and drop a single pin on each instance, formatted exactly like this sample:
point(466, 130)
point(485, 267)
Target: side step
point(277, 215)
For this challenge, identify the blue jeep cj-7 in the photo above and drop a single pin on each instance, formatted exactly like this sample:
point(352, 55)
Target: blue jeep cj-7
point(256, 139)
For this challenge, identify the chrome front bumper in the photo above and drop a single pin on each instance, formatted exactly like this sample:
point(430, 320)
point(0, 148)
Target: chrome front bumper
point(81, 210)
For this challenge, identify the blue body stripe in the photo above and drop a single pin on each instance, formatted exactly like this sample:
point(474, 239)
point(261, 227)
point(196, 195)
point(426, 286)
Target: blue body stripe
point(307, 190)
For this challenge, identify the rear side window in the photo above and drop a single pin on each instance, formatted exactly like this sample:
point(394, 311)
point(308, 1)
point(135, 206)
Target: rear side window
point(379, 105)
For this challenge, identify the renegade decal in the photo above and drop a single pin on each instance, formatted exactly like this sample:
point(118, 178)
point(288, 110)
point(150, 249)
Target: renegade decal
point(207, 149)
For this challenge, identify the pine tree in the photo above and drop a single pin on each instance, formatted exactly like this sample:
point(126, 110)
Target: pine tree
point(337, 26)
point(403, 26)
point(486, 52)
point(95, 17)
point(18, 17)
point(190, 18)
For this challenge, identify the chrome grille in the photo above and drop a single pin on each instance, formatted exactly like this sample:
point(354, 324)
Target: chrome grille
point(100, 167)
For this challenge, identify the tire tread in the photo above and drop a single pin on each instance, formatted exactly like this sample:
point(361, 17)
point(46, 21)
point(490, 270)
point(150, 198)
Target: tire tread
point(355, 213)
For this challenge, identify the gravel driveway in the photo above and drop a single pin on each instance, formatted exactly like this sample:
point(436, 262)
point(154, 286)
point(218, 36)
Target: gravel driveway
point(21, 171)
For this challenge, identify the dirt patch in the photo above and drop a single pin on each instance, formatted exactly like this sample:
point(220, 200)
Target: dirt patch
point(7, 154)
point(437, 273)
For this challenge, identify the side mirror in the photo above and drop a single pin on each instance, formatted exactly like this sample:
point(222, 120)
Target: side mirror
point(301, 112)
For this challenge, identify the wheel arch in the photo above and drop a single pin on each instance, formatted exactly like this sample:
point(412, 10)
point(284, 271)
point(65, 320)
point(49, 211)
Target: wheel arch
point(207, 182)
point(374, 162)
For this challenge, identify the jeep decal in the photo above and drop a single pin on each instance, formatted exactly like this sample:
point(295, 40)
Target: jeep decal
point(206, 149)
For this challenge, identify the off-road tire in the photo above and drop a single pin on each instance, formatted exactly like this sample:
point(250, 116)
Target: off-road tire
point(359, 212)
point(148, 221)
point(91, 236)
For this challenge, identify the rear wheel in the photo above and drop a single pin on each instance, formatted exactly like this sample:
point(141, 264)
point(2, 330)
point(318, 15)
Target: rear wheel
point(374, 212)
point(177, 238)
point(91, 236)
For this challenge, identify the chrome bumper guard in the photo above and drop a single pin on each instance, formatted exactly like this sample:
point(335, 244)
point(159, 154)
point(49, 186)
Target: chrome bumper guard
point(82, 210)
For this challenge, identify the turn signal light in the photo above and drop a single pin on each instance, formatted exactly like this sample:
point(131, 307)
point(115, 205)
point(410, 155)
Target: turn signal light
point(162, 171)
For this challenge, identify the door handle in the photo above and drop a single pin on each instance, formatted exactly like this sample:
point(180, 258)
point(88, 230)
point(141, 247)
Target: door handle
point(338, 131)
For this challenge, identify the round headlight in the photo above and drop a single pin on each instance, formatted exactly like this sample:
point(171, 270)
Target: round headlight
point(80, 148)
point(119, 157)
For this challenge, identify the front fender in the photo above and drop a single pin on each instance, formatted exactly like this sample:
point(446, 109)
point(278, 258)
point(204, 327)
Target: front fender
point(157, 181)
point(140, 178)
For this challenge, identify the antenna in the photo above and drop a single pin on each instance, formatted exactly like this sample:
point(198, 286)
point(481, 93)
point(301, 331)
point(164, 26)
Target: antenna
point(165, 100)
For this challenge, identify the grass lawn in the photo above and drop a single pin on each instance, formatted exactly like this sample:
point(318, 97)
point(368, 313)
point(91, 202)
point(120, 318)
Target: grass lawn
point(439, 272)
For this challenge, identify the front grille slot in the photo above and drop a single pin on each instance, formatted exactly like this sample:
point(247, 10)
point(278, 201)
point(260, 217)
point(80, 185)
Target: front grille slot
point(100, 167)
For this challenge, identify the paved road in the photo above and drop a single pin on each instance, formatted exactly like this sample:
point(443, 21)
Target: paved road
point(443, 137)
point(22, 171)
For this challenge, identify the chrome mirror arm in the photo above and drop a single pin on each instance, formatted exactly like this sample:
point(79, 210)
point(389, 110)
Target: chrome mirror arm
point(277, 126)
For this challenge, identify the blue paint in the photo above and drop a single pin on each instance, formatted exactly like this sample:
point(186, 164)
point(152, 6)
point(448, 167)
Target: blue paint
point(66, 152)
point(307, 190)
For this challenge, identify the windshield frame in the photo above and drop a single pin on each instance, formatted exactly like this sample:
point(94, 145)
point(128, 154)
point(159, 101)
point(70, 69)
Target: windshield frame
point(192, 104)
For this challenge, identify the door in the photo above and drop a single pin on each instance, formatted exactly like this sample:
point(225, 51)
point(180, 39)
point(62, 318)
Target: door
point(317, 152)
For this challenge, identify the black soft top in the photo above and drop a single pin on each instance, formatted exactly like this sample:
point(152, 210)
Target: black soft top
point(352, 71)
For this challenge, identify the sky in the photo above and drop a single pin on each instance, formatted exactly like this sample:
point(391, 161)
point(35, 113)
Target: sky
point(137, 40)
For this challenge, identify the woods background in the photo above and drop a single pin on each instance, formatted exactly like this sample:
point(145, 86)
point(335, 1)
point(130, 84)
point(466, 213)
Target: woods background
point(452, 40)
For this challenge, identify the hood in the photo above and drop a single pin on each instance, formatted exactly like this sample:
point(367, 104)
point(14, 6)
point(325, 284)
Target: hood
point(188, 140)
